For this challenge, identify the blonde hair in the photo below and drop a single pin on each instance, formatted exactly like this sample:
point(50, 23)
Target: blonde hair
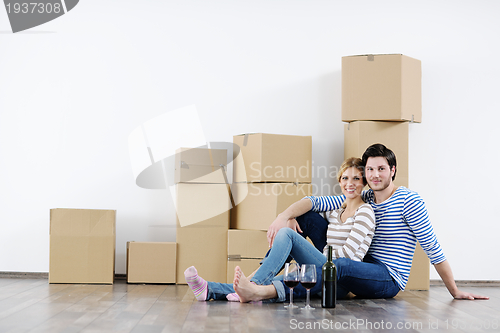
point(352, 162)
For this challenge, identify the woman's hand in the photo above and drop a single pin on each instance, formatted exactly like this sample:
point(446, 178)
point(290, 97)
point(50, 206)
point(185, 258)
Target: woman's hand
point(281, 222)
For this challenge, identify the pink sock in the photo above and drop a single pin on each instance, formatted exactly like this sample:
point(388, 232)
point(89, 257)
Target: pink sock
point(196, 283)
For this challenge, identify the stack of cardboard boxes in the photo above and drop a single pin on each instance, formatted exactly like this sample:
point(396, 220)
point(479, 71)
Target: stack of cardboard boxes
point(202, 205)
point(270, 172)
point(381, 95)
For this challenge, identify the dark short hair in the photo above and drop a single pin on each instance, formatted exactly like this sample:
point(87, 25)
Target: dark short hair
point(379, 150)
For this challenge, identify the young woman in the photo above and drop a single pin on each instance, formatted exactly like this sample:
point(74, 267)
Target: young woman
point(350, 231)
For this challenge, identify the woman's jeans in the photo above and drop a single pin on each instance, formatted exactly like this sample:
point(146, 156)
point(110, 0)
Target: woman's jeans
point(369, 279)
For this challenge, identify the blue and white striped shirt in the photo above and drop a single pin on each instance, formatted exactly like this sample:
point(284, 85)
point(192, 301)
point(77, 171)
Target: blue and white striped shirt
point(401, 220)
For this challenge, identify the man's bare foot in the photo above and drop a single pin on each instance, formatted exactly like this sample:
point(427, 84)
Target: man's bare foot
point(248, 291)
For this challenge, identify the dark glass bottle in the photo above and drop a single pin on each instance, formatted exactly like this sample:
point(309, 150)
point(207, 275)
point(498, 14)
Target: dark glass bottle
point(329, 282)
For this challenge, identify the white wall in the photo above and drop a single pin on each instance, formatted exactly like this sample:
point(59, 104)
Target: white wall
point(72, 90)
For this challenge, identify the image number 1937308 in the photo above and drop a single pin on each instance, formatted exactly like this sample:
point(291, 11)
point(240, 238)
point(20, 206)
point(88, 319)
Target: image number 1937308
point(26, 14)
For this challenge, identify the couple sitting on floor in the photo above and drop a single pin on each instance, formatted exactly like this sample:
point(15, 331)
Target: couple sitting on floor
point(373, 235)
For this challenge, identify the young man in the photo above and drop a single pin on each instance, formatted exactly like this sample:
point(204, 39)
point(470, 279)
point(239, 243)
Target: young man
point(401, 219)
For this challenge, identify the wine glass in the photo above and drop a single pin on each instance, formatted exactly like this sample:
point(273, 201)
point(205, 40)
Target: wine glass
point(291, 278)
point(308, 280)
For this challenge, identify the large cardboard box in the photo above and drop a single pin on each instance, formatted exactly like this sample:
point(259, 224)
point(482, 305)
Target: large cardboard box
point(151, 262)
point(82, 246)
point(203, 204)
point(202, 225)
point(359, 135)
point(198, 165)
point(381, 87)
point(206, 249)
point(272, 158)
point(258, 204)
point(245, 248)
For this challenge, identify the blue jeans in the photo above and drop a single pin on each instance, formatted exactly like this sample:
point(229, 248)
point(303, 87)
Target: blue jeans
point(367, 279)
point(287, 242)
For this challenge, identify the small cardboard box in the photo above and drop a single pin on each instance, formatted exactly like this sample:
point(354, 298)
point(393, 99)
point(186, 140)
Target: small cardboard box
point(82, 246)
point(258, 204)
point(381, 87)
point(245, 248)
point(204, 248)
point(198, 165)
point(272, 158)
point(151, 262)
point(359, 135)
point(203, 205)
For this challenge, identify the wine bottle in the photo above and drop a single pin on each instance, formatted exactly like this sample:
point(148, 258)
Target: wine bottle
point(329, 282)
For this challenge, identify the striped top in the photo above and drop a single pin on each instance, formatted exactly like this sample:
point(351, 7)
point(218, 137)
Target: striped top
point(401, 221)
point(350, 239)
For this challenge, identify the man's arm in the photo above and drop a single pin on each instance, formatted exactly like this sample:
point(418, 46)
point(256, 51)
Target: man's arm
point(287, 218)
point(444, 271)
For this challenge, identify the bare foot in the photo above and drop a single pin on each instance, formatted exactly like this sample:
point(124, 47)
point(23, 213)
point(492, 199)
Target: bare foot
point(248, 291)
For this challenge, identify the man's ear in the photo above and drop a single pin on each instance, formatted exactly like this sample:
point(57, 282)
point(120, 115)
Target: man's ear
point(393, 171)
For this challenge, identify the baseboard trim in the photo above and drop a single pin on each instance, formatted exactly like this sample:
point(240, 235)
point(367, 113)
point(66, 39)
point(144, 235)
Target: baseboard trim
point(468, 283)
point(36, 275)
point(24, 275)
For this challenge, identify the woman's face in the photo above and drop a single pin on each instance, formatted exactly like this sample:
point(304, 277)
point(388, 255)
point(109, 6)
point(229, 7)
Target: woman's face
point(351, 183)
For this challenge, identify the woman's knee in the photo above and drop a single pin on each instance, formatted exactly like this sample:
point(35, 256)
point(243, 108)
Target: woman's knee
point(285, 232)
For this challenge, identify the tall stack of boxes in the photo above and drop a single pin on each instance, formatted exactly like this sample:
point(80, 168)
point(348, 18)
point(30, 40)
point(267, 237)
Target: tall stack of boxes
point(381, 95)
point(202, 205)
point(270, 172)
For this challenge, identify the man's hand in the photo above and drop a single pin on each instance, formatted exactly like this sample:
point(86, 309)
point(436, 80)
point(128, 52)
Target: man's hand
point(278, 223)
point(470, 296)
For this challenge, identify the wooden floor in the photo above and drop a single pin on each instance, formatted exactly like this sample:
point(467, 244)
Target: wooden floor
point(32, 305)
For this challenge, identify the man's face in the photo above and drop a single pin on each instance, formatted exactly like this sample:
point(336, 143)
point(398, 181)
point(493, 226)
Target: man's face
point(378, 174)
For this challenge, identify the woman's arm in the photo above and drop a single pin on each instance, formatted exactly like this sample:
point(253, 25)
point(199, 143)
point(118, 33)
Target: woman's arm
point(361, 233)
point(282, 220)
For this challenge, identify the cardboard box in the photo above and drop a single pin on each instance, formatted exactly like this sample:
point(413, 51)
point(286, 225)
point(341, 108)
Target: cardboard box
point(359, 135)
point(82, 246)
point(198, 165)
point(151, 262)
point(204, 248)
point(420, 271)
point(272, 158)
point(381, 87)
point(245, 248)
point(203, 204)
point(258, 204)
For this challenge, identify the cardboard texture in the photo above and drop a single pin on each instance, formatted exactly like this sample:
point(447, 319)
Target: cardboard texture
point(198, 165)
point(258, 204)
point(245, 248)
point(151, 262)
point(206, 249)
point(82, 246)
point(203, 204)
point(420, 271)
point(272, 158)
point(381, 87)
point(359, 135)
